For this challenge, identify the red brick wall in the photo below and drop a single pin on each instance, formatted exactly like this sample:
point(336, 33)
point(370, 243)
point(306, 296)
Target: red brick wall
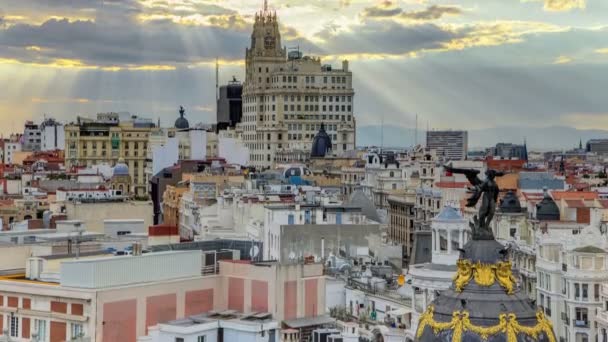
point(59, 307)
point(160, 309)
point(291, 300)
point(199, 302)
point(58, 332)
point(259, 296)
point(310, 298)
point(119, 321)
point(236, 294)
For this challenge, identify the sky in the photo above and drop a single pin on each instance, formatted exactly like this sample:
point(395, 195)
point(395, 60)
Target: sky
point(454, 63)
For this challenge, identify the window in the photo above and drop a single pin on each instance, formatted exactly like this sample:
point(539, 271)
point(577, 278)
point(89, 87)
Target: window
point(76, 330)
point(179, 339)
point(577, 291)
point(585, 291)
point(596, 292)
point(14, 322)
point(40, 328)
point(201, 339)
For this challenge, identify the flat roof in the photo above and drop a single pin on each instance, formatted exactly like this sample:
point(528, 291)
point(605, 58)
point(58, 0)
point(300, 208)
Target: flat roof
point(309, 321)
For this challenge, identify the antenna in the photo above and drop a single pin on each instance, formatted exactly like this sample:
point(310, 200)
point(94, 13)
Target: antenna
point(217, 78)
point(382, 134)
point(265, 6)
point(416, 132)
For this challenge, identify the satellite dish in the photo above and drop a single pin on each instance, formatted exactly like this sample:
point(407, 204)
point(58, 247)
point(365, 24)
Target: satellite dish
point(254, 251)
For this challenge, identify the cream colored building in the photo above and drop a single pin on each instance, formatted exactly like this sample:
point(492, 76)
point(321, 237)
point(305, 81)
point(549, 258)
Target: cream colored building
point(106, 140)
point(287, 96)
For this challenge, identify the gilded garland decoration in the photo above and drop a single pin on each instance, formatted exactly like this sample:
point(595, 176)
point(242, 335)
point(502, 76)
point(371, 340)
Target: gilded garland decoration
point(484, 275)
point(507, 325)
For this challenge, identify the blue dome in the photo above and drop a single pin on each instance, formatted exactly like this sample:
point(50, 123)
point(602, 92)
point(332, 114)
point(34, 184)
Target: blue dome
point(449, 213)
point(182, 122)
point(120, 169)
point(321, 143)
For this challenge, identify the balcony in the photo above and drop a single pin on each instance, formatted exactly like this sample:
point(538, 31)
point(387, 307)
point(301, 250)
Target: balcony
point(581, 323)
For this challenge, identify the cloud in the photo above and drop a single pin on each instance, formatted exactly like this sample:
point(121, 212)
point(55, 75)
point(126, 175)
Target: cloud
point(432, 12)
point(497, 33)
point(93, 43)
point(384, 9)
point(563, 60)
point(384, 37)
point(564, 5)
point(602, 51)
point(561, 5)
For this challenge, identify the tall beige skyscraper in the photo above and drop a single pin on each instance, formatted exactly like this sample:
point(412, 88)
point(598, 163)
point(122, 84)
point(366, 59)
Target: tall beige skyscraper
point(286, 97)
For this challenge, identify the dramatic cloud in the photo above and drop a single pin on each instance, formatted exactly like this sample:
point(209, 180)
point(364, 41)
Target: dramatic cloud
point(433, 12)
point(521, 61)
point(382, 10)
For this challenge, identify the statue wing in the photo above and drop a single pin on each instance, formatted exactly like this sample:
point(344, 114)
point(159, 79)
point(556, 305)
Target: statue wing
point(471, 174)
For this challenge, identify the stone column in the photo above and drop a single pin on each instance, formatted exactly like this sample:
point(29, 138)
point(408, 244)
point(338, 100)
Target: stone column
point(449, 241)
point(460, 238)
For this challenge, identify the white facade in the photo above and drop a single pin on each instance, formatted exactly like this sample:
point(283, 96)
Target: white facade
point(276, 216)
point(9, 151)
point(92, 194)
point(572, 266)
point(232, 148)
point(53, 136)
point(117, 228)
point(285, 100)
point(207, 329)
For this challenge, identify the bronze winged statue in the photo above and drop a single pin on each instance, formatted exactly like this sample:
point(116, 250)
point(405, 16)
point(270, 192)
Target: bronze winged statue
point(488, 191)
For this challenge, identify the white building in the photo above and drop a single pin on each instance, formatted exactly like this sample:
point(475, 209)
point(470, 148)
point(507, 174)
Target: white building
point(449, 145)
point(223, 326)
point(10, 148)
point(286, 97)
point(53, 135)
point(572, 265)
point(232, 148)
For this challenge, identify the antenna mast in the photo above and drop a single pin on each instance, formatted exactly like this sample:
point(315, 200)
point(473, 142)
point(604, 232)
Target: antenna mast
point(382, 134)
point(416, 132)
point(265, 6)
point(217, 78)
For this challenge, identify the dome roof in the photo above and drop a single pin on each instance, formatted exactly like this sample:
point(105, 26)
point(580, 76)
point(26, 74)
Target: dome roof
point(483, 303)
point(182, 122)
point(120, 169)
point(449, 213)
point(321, 143)
point(510, 203)
point(547, 210)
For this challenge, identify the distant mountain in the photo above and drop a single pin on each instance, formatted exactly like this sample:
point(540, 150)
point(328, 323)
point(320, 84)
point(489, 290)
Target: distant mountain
point(538, 138)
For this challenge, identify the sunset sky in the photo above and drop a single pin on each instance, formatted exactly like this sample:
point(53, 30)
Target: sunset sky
point(455, 63)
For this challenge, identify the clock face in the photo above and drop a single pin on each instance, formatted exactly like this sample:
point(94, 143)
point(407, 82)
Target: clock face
point(269, 42)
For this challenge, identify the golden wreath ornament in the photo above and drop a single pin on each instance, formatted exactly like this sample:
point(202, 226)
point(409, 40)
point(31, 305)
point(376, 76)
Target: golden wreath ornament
point(508, 325)
point(484, 275)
